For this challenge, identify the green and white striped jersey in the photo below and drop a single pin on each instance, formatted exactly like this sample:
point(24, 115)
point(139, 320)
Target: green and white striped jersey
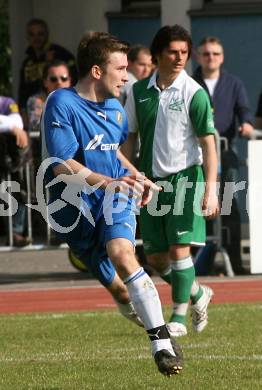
point(169, 123)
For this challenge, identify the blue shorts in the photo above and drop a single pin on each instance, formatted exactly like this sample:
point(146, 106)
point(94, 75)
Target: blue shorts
point(88, 242)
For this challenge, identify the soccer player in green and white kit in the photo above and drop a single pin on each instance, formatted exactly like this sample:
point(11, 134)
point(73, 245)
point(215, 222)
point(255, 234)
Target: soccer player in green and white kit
point(172, 115)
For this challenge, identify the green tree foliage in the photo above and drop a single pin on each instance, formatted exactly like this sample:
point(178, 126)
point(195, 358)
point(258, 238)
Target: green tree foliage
point(5, 50)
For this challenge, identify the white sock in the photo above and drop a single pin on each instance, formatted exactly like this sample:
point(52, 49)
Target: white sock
point(147, 304)
point(145, 298)
point(180, 308)
point(158, 345)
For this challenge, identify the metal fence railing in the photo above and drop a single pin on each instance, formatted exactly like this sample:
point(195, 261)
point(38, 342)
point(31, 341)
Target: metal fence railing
point(45, 240)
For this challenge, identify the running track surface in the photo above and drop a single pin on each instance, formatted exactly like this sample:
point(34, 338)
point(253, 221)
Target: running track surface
point(97, 298)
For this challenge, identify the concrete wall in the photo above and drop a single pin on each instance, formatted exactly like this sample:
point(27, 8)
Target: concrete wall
point(175, 12)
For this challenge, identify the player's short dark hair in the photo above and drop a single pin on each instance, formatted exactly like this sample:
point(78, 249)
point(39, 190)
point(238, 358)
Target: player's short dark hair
point(94, 49)
point(135, 50)
point(169, 34)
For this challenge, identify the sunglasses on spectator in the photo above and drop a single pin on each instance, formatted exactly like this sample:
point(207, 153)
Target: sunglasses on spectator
point(211, 53)
point(55, 79)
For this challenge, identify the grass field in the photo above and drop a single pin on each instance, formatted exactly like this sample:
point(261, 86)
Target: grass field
point(102, 350)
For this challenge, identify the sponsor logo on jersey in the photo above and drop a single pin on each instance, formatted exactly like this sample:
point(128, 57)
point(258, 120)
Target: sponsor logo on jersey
point(96, 142)
point(176, 104)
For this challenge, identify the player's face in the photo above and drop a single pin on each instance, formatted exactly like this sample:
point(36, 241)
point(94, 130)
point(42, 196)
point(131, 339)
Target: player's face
point(58, 77)
point(210, 56)
point(142, 66)
point(114, 75)
point(173, 59)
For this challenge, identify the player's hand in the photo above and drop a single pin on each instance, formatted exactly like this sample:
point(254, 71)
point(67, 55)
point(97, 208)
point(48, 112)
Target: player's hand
point(210, 206)
point(149, 189)
point(137, 187)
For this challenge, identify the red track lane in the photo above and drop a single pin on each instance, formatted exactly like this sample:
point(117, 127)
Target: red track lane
point(94, 298)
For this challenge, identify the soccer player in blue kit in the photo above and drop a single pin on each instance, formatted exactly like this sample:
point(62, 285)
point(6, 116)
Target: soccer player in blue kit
point(82, 129)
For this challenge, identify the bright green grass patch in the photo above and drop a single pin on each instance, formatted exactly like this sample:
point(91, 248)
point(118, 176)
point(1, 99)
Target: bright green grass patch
point(102, 350)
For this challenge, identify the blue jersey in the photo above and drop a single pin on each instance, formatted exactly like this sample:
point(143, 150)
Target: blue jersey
point(88, 132)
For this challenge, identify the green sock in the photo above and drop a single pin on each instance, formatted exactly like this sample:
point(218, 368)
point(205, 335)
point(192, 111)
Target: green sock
point(182, 276)
point(196, 290)
point(166, 275)
point(178, 318)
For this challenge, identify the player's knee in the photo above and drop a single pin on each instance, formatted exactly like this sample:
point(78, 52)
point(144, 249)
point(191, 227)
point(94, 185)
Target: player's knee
point(124, 260)
point(179, 251)
point(120, 253)
point(158, 262)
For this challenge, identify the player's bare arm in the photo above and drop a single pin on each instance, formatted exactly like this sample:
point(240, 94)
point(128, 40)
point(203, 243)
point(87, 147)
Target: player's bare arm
point(129, 146)
point(210, 204)
point(137, 185)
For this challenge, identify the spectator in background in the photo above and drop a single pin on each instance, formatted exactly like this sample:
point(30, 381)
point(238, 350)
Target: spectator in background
point(39, 52)
point(13, 149)
point(139, 67)
point(232, 117)
point(258, 121)
point(56, 74)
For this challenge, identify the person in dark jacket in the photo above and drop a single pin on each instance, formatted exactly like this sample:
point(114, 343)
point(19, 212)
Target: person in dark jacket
point(39, 52)
point(258, 121)
point(232, 117)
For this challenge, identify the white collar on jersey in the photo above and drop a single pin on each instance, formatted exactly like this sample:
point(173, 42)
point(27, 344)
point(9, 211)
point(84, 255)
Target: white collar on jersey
point(177, 83)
